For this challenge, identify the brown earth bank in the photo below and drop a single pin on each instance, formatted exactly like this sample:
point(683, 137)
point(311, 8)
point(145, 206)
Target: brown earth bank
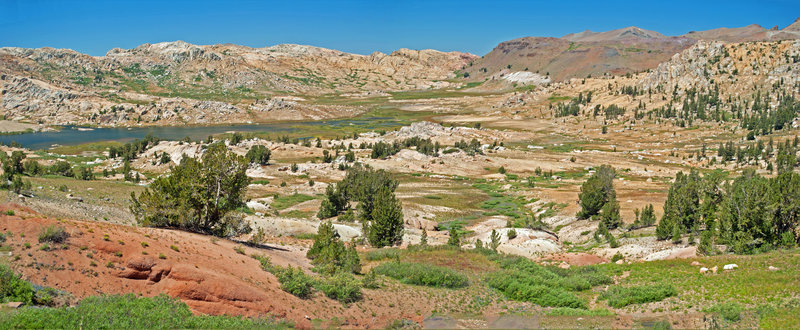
point(206, 273)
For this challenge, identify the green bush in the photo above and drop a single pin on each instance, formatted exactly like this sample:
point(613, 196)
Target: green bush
point(258, 154)
point(371, 281)
point(342, 286)
point(730, 311)
point(198, 195)
point(13, 287)
point(127, 312)
point(525, 280)
point(422, 274)
point(619, 297)
point(53, 234)
point(295, 281)
point(597, 191)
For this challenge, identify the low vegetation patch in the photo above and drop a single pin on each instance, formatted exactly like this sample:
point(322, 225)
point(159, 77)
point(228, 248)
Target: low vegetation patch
point(422, 274)
point(566, 311)
point(53, 234)
point(730, 311)
point(127, 312)
point(619, 297)
point(382, 253)
point(342, 286)
point(524, 280)
point(283, 202)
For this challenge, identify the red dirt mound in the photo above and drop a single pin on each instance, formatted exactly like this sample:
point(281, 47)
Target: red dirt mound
point(206, 273)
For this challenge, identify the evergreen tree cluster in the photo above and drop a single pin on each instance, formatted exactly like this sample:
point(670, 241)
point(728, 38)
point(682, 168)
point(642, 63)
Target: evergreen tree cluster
point(258, 154)
point(330, 255)
point(131, 150)
point(748, 214)
point(379, 210)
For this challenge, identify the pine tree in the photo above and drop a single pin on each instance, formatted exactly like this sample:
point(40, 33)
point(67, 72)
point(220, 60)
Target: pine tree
point(386, 225)
point(455, 237)
point(609, 215)
point(495, 240)
point(329, 254)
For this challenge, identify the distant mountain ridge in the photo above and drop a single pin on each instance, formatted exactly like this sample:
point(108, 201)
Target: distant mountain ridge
point(178, 82)
point(620, 51)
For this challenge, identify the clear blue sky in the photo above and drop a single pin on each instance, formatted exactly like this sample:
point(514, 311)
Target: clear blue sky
point(94, 27)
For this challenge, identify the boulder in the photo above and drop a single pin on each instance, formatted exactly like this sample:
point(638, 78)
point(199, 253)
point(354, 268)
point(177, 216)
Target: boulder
point(730, 266)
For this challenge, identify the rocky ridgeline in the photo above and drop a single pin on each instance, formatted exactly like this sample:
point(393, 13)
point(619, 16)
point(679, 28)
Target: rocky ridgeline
point(177, 82)
point(733, 68)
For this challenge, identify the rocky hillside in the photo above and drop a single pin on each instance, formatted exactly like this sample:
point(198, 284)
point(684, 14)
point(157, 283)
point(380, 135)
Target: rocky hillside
point(733, 69)
point(177, 82)
point(588, 53)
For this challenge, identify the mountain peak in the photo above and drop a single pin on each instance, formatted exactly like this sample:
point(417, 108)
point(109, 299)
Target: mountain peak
point(626, 33)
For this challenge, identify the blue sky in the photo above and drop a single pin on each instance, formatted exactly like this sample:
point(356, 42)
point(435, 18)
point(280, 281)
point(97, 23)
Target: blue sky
point(94, 27)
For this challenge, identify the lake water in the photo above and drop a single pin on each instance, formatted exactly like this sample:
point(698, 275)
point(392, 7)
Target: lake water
point(71, 135)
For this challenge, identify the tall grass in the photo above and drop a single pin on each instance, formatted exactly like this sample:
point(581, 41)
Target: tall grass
point(383, 253)
point(127, 312)
point(423, 274)
point(620, 297)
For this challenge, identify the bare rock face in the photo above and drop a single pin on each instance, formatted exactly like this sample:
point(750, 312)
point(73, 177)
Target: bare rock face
point(732, 68)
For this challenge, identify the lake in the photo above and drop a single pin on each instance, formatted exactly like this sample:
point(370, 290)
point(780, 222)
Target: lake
point(72, 135)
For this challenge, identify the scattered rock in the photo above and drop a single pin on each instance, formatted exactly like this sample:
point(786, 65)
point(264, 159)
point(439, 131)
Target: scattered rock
point(14, 304)
point(773, 268)
point(730, 266)
point(695, 263)
point(703, 270)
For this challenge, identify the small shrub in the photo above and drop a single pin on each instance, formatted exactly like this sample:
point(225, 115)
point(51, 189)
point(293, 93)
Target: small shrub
point(295, 281)
point(422, 274)
point(174, 248)
point(512, 234)
point(371, 281)
point(10, 212)
point(239, 249)
point(730, 311)
point(53, 234)
point(144, 244)
point(342, 286)
point(162, 256)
